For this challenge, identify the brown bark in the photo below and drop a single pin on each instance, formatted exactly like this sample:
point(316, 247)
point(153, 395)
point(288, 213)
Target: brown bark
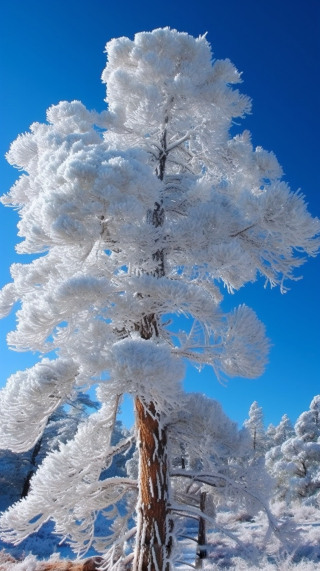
point(155, 526)
point(154, 539)
point(92, 564)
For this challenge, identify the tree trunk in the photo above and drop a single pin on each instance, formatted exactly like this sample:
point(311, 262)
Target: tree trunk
point(155, 526)
point(201, 550)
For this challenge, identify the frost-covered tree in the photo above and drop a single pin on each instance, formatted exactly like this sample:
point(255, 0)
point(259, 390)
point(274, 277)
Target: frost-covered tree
point(255, 426)
point(211, 464)
point(138, 212)
point(295, 461)
point(283, 431)
point(277, 435)
point(270, 434)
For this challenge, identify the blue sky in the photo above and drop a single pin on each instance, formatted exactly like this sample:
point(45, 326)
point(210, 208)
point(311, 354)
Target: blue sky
point(53, 50)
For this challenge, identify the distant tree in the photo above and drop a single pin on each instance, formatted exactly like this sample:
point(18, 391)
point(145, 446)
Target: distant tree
point(138, 212)
point(255, 426)
point(270, 434)
point(307, 426)
point(276, 435)
point(217, 466)
point(284, 430)
point(295, 462)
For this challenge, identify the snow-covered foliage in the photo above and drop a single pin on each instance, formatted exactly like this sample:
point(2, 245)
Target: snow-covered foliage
point(28, 400)
point(64, 422)
point(137, 212)
point(295, 460)
point(67, 485)
point(213, 466)
point(16, 469)
point(210, 457)
point(255, 426)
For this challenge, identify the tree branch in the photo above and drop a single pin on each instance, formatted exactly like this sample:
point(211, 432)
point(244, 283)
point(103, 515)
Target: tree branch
point(205, 479)
point(196, 512)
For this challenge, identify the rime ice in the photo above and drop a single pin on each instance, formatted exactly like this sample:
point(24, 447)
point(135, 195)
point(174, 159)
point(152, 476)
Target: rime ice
point(140, 211)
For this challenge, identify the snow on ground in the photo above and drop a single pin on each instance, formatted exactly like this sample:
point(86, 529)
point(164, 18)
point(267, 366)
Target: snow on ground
point(299, 549)
point(42, 544)
point(256, 548)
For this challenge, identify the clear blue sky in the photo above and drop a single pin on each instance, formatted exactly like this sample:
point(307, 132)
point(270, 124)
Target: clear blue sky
point(52, 50)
